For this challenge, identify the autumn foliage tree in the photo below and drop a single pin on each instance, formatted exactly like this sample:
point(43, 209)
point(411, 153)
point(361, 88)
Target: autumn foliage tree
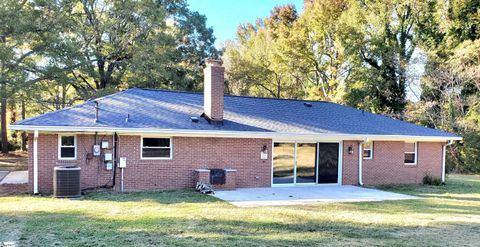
point(57, 53)
point(364, 54)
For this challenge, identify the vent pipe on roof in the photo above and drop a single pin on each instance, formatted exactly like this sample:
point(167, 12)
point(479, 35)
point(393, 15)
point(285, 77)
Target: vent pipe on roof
point(213, 89)
point(96, 111)
point(194, 119)
point(127, 118)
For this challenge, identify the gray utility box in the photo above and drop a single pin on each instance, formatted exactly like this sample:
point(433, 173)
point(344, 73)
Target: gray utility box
point(66, 181)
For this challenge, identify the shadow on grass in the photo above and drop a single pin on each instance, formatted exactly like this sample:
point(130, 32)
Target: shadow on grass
point(45, 228)
point(212, 222)
point(456, 184)
point(459, 198)
point(163, 197)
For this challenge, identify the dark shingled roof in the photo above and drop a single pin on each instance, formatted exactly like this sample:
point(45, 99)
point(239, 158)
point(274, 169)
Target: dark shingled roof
point(162, 109)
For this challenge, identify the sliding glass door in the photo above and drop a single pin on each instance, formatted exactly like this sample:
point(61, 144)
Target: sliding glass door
point(328, 163)
point(283, 163)
point(305, 165)
point(294, 163)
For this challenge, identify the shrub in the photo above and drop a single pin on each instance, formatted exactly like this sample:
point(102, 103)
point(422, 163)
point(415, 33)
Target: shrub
point(432, 180)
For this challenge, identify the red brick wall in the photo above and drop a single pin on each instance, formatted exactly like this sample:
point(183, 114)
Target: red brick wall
point(387, 165)
point(92, 174)
point(189, 153)
point(193, 153)
point(350, 163)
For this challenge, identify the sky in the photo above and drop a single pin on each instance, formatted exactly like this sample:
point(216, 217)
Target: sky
point(225, 15)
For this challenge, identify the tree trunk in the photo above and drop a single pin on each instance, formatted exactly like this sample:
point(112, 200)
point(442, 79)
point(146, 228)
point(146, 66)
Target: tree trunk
point(24, 134)
point(13, 118)
point(4, 126)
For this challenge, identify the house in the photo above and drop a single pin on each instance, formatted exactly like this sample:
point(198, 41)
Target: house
point(149, 139)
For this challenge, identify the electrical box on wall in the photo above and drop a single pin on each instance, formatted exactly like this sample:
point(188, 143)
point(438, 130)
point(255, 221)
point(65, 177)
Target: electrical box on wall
point(96, 150)
point(108, 156)
point(104, 144)
point(109, 166)
point(123, 162)
point(264, 155)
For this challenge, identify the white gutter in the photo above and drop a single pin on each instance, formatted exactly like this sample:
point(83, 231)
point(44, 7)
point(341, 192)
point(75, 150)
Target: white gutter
point(450, 142)
point(35, 162)
point(360, 163)
point(233, 134)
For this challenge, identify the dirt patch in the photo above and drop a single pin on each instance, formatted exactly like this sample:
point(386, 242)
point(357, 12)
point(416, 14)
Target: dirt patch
point(14, 161)
point(13, 189)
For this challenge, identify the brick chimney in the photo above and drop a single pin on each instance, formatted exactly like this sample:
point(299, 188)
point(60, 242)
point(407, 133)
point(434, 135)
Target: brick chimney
point(213, 88)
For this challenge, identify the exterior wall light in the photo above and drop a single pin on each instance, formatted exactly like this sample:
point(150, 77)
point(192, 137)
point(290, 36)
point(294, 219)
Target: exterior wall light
point(264, 153)
point(350, 149)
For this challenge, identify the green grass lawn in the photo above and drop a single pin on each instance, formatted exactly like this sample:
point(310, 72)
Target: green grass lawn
point(447, 216)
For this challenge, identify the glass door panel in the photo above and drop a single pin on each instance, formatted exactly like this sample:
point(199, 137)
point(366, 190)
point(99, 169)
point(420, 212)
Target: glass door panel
point(306, 155)
point(283, 163)
point(327, 163)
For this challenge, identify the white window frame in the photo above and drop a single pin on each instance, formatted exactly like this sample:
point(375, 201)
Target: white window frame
point(60, 147)
point(156, 158)
point(415, 153)
point(371, 151)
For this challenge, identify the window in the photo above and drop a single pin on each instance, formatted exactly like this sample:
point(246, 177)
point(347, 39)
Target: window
point(410, 153)
point(67, 147)
point(156, 148)
point(294, 163)
point(367, 150)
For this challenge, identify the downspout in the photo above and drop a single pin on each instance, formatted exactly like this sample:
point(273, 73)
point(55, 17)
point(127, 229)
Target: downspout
point(35, 162)
point(450, 142)
point(360, 163)
point(115, 158)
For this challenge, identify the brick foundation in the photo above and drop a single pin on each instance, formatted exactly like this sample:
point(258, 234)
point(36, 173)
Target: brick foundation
point(13, 189)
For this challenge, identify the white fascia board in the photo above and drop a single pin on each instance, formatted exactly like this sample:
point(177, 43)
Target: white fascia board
point(276, 136)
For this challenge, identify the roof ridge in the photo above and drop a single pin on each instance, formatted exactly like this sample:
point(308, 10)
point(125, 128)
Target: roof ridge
point(165, 90)
point(230, 95)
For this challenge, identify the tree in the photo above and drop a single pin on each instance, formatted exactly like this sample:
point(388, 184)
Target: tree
point(381, 37)
point(56, 53)
point(20, 32)
point(255, 62)
point(106, 45)
point(451, 85)
point(356, 52)
point(315, 50)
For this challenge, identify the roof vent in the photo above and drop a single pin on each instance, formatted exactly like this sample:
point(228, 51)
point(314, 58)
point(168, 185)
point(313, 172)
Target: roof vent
point(194, 119)
point(127, 119)
point(96, 111)
point(307, 104)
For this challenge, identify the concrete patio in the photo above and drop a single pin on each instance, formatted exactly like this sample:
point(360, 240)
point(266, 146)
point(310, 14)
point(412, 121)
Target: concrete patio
point(15, 177)
point(300, 195)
